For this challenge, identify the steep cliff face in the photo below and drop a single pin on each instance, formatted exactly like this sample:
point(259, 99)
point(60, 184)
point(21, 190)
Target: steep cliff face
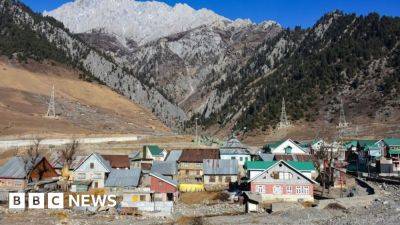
point(88, 59)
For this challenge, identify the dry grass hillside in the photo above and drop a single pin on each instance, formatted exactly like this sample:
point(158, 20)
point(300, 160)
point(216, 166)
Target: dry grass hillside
point(82, 107)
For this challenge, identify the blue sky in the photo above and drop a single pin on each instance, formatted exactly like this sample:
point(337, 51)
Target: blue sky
point(288, 13)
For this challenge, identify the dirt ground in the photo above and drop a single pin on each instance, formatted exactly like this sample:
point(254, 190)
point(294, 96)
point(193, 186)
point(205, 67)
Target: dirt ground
point(198, 197)
point(82, 107)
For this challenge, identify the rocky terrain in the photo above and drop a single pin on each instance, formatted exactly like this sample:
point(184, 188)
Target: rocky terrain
point(384, 209)
point(232, 75)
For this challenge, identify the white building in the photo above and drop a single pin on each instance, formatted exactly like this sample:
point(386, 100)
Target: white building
point(94, 169)
point(234, 149)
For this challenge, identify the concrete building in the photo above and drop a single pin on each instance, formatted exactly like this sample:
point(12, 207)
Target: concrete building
point(282, 182)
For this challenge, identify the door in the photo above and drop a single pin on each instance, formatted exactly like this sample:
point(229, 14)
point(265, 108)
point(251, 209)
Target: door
point(170, 196)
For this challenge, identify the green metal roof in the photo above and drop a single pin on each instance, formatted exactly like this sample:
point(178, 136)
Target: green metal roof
point(263, 165)
point(350, 144)
point(394, 152)
point(155, 150)
point(364, 143)
point(258, 165)
point(392, 141)
point(371, 147)
point(274, 144)
point(302, 166)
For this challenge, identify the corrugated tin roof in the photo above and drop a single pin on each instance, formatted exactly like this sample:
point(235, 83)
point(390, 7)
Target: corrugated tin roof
point(174, 155)
point(165, 168)
point(267, 156)
point(135, 155)
point(123, 178)
point(164, 178)
point(392, 141)
point(16, 167)
point(233, 147)
point(117, 161)
point(104, 162)
point(220, 167)
point(198, 155)
point(155, 150)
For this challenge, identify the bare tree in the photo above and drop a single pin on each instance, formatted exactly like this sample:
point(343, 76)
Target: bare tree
point(68, 153)
point(324, 159)
point(31, 157)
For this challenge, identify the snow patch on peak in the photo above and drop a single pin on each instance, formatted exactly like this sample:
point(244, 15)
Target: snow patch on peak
point(140, 21)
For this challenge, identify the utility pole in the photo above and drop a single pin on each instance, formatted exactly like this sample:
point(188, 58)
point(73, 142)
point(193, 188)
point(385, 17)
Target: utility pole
point(51, 110)
point(197, 139)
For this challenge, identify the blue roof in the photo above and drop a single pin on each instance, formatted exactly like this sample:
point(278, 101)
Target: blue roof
point(17, 167)
point(174, 155)
point(123, 178)
point(220, 167)
point(165, 167)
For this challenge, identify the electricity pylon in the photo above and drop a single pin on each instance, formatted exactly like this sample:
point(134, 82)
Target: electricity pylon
point(342, 120)
point(284, 122)
point(51, 111)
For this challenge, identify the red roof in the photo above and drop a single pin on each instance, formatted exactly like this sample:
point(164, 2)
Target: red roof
point(198, 155)
point(117, 161)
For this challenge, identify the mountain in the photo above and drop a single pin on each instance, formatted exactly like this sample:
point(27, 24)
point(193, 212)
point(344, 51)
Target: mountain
point(232, 75)
point(25, 34)
point(132, 20)
point(185, 65)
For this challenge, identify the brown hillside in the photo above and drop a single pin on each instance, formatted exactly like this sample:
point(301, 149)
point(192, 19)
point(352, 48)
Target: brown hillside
point(82, 107)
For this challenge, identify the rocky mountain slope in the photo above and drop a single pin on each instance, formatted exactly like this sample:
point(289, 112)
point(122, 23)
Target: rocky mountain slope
point(25, 34)
point(231, 74)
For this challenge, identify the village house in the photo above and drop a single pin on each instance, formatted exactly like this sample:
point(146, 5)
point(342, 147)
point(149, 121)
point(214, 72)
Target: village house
point(280, 181)
point(254, 168)
point(145, 158)
point(18, 172)
point(286, 147)
point(163, 188)
point(166, 168)
point(119, 180)
point(93, 170)
point(190, 168)
point(220, 173)
point(393, 146)
point(118, 161)
point(234, 149)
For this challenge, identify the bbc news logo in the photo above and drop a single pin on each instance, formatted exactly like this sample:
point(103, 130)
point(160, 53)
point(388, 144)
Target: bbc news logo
point(56, 200)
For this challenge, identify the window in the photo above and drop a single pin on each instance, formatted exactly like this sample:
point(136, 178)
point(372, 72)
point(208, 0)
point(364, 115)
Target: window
point(241, 159)
point(212, 179)
point(288, 189)
point(97, 176)
point(142, 198)
point(306, 190)
point(198, 172)
point(81, 176)
point(187, 172)
point(220, 179)
point(277, 189)
point(285, 175)
point(275, 175)
point(298, 190)
point(233, 157)
point(91, 165)
point(260, 189)
point(288, 150)
point(228, 179)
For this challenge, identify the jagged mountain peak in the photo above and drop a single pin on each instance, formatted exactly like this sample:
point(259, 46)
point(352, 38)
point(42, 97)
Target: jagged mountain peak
point(132, 19)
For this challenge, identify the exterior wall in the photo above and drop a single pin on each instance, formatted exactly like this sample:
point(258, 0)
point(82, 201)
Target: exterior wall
point(253, 173)
point(284, 192)
point(190, 172)
point(43, 171)
point(12, 184)
point(221, 182)
point(85, 173)
point(240, 158)
point(281, 148)
point(160, 186)
point(281, 183)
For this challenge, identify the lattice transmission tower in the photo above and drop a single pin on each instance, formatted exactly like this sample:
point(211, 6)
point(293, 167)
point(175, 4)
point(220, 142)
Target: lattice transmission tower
point(51, 110)
point(342, 119)
point(284, 122)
